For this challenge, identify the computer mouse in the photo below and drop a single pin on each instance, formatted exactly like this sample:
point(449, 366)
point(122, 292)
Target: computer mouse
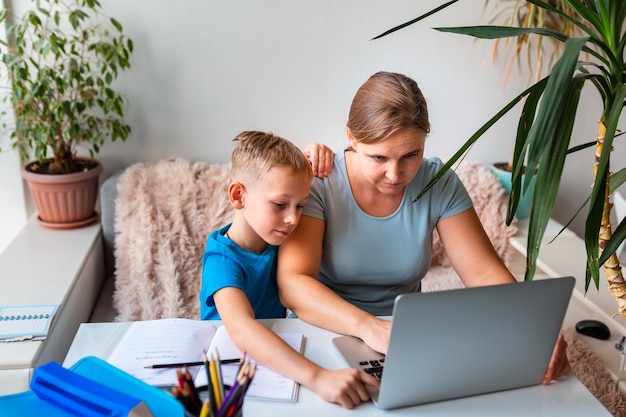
point(593, 328)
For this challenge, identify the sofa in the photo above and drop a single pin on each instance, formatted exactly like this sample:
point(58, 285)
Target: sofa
point(156, 218)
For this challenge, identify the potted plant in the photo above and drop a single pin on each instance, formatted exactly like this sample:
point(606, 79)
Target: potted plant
point(546, 124)
point(62, 58)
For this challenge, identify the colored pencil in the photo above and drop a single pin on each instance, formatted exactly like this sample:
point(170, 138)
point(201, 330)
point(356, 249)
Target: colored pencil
point(206, 409)
point(189, 364)
point(207, 368)
point(220, 379)
point(215, 383)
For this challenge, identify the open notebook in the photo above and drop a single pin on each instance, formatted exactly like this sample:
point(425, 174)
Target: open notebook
point(166, 341)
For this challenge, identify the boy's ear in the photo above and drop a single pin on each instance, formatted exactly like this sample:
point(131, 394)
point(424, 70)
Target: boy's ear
point(236, 191)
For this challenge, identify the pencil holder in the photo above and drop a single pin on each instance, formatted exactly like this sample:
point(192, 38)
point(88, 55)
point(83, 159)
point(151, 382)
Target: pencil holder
point(237, 414)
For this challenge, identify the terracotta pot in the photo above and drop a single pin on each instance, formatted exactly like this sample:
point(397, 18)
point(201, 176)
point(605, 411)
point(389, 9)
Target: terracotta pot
point(64, 201)
point(504, 175)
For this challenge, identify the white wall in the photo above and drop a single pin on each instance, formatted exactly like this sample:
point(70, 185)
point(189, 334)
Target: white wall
point(204, 70)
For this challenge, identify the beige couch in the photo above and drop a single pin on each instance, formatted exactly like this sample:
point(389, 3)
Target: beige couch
point(156, 218)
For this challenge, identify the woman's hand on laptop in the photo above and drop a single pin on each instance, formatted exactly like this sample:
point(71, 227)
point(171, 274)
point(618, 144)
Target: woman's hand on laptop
point(559, 365)
point(346, 387)
point(376, 333)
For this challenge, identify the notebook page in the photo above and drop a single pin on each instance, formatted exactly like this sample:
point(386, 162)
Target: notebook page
point(162, 341)
point(267, 384)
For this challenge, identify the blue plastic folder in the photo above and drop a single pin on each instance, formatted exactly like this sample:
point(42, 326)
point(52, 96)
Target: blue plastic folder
point(91, 387)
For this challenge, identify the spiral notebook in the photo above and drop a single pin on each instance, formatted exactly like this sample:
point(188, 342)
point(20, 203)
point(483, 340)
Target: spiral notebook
point(26, 322)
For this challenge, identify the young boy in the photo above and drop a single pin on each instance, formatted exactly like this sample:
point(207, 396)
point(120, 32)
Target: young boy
point(270, 181)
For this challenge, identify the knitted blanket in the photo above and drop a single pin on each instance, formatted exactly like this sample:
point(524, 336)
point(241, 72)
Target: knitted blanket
point(165, 211)
point(164, 214)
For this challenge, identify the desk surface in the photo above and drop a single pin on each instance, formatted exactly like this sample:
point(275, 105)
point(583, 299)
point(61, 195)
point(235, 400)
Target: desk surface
point(567, 397)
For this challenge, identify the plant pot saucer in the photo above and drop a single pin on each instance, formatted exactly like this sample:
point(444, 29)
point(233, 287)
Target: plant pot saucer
point(70, 225)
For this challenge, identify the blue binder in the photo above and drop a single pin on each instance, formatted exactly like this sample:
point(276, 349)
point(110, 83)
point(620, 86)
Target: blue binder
point(91, 387)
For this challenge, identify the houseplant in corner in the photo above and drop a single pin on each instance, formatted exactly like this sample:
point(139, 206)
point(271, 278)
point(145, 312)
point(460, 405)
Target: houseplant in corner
point(547, 120)
point(61, 59)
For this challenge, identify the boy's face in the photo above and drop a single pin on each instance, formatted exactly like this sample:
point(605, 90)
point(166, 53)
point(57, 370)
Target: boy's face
point(273, 205)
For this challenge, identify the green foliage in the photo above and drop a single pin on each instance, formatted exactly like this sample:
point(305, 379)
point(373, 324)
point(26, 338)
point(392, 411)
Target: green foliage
point(549, 111)
point(62, 58)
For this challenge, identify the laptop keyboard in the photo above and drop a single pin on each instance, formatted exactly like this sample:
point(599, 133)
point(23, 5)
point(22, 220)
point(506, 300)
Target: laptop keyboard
point(373, 367)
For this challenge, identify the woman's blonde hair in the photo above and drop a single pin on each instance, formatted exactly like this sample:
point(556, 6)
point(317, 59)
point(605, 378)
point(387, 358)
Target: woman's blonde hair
point(385, 104)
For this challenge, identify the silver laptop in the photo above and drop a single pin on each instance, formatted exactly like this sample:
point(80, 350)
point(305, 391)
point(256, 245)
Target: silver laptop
point(463, 342)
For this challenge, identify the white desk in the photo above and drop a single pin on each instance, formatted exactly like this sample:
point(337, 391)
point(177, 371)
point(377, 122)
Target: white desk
point(43, 266)
point(563, 398)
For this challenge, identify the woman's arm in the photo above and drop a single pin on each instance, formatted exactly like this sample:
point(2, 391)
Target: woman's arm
point(299, 259)
point(345, 386)
point(470, 251)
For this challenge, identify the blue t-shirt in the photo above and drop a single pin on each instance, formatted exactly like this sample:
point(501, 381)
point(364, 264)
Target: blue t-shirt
point(225, 264)
point(370, 260)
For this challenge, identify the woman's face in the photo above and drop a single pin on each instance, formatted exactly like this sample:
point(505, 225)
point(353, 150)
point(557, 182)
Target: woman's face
point(391, 164)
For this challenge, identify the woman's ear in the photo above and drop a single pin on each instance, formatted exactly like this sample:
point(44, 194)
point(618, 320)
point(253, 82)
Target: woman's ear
point(236, 191)
point(351, 141)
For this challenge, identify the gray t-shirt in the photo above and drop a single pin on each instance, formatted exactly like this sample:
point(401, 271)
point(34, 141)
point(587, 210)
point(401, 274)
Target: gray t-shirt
point(370, 260)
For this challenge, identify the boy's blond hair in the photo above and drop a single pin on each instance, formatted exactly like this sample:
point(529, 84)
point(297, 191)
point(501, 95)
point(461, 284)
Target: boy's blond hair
point(257, 152)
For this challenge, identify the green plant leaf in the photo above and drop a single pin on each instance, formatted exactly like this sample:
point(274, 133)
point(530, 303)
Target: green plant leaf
point(417, 19)
point(553, 102)
point(498, 32)
point(617, 179)
point(519, 150)
point(61, 50)
point(549, 170)
point(616, 239)
point(470, 142)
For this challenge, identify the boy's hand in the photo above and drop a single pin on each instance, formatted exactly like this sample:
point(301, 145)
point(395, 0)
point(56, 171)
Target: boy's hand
point(345, 387)
point(321, 157)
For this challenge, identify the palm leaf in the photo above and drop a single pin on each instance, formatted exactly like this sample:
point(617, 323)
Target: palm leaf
point(417, 19)
point(550, 169)
point(470, 142)
point(618, 237)
point(519, 152)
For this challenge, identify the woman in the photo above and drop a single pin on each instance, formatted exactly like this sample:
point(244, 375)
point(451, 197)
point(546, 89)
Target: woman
point(362, 240)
